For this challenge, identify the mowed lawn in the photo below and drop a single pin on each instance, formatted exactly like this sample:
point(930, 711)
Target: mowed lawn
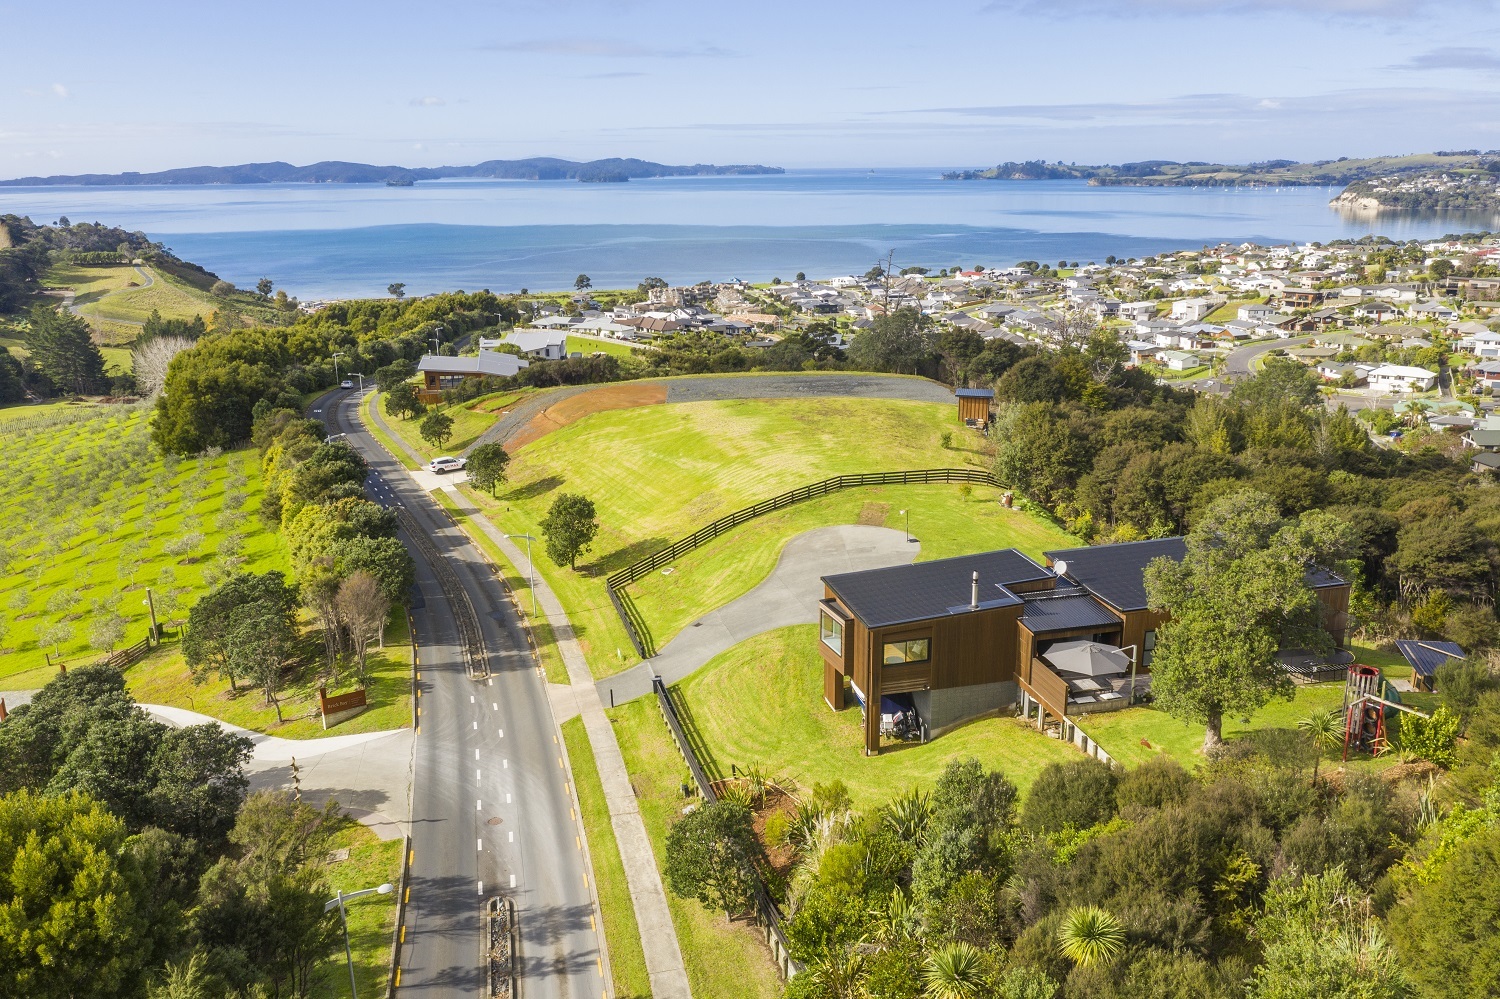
point(470, 419)
point(1137, 734)
point(657, 473)
point(372, 919)
point(944, 518)
point(93, 516)
point(761, 705)
point(119, 293)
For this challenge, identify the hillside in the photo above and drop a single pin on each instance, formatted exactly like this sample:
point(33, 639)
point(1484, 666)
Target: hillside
point(338, 172)
point(1270, 173)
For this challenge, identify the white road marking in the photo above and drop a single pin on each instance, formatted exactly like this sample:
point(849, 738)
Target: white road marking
point(476, 754)
point(490, 682)
point(507, 797)
point(479, 845)
point(481, 887)
point(471, 698)
point(476, 774)
point(476, 725)
point(512, 836)
point(477, 806)
point(505, 764)
point(512, 880)
point(494, 706)
point(502, 733)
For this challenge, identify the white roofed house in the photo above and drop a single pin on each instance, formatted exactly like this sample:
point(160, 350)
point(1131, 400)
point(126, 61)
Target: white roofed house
point(544, 345)
point(1138, 311)
point(1255, 312)
point(1432, 310)
point(1178, 360)
point(1402, 378)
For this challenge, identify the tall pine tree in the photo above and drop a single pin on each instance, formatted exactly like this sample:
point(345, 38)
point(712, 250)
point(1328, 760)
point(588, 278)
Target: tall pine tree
point(63, 350)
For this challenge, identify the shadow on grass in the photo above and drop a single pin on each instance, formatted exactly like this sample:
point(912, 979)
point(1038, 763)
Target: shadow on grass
point(532, 490)
point(622, 557)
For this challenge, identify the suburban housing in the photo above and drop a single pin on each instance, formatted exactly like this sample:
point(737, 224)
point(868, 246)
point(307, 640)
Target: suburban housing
point(957, 638)
point(439, 373)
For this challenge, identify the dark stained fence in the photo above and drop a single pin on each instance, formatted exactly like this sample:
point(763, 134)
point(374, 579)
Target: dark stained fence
point(619, 580)
point(128, 656)
point(765, 908)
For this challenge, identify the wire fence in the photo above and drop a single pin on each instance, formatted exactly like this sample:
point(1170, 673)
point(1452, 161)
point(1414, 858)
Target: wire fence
point(617, 581)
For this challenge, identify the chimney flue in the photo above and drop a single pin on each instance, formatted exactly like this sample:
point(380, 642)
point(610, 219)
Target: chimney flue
point(974, 595)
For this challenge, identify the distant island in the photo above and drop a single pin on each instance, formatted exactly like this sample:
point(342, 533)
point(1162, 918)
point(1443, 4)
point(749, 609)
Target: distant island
point(338, 172)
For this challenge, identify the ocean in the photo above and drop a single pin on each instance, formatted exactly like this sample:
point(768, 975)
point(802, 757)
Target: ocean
point(345, 240)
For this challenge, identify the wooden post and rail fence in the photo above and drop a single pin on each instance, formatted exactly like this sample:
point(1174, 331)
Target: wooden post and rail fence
point(617, 581)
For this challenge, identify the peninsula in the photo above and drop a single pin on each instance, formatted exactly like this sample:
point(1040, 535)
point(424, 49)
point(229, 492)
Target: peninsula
point(339, 172)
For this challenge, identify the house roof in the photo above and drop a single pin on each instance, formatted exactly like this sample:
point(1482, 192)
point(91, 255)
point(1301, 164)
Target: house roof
point(974, 393)
point(1426, 657)
point(1072, 608)
point(488, 362)
point(926, 590)
point(530, 340)
point(1116, 573)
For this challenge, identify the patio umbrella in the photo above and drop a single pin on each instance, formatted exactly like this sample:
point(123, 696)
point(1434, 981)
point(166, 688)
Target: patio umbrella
point(1088, 658)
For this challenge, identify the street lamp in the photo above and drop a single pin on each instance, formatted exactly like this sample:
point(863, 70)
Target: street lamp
point(336, 357)
point(435, 331)
point(361, 376)
point(530, 569)
point(384, 889)
point(906, 525)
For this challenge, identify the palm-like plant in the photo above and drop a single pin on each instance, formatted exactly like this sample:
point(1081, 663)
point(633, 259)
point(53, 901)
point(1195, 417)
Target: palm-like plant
point(954, 971)
point(898, 920)
point(1089, 936)
point(1324, 728)
point(907, 815)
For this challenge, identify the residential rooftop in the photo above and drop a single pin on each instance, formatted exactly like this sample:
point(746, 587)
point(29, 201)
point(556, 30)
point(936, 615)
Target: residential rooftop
point(925, 590)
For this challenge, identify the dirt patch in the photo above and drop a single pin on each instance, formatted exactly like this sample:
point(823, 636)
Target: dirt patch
point(874, 514)
point(576, 407)
point(782, 857)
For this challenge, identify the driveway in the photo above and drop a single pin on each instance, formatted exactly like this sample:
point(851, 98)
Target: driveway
point(788, 596)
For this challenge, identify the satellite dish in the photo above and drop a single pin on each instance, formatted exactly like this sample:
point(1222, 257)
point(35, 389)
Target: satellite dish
point(1062, 568)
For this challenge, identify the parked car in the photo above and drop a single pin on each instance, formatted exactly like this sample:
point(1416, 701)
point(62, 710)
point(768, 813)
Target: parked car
point(346, 383)
point(443, 465)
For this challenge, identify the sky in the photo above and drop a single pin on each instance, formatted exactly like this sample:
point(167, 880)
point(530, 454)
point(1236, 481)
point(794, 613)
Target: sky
point(93, 87)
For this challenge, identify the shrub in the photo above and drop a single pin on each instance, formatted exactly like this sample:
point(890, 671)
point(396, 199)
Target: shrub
point(1078, 794)
point(1430, 738)
point(1154, 784)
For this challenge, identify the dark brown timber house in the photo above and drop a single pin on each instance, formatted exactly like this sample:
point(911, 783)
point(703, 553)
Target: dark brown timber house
point(954, 639)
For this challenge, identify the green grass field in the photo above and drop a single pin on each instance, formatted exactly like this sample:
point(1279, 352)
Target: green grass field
point(941, 517)
point(1125, 734)
point(656, 473)
point(94, 516)
point(724, 959)
point(372, 919)
point(470, 419)
point(588, 345)
point(163, 678)
point(761, 704)
point(627, 962)
point(1230, 310)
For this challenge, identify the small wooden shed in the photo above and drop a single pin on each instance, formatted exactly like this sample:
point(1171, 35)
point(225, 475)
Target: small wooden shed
point(974, 405)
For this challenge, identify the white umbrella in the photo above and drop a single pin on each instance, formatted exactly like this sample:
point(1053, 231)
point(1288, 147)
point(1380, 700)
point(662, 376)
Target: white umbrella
point(1088, 658)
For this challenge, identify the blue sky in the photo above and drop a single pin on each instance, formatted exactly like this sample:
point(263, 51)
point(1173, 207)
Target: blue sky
point(110, 87)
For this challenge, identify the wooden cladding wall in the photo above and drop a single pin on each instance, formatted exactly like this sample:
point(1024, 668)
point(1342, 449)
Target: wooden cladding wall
point(1049, 688)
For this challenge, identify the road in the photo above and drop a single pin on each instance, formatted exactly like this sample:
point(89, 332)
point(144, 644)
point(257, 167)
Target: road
point(492, 811)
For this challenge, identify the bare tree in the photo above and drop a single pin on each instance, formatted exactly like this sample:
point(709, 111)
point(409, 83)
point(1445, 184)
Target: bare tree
point(363, 609)
point(150, 360)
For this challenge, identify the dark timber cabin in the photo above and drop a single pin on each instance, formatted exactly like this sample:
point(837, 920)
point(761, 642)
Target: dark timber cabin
point(964, 637)
point(974, 405)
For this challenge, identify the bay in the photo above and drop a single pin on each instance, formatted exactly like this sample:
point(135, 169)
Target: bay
point(343, 240)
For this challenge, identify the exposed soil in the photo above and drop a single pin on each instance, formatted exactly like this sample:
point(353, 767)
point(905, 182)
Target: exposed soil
point(782, 858)
point(873, 514)
point(575, 407)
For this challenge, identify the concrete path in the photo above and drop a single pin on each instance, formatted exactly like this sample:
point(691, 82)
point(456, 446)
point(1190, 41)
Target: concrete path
point(788, 596)
point(369, 774)
point(664, 964)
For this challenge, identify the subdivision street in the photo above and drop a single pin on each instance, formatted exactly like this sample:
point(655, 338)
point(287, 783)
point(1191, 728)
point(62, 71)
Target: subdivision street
point(492, 811)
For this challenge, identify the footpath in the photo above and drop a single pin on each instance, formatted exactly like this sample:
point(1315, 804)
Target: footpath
point(664, 964)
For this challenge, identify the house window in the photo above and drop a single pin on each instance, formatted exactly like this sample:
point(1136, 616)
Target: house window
point(831, 631)
point(1148, 646)
point(913, 650)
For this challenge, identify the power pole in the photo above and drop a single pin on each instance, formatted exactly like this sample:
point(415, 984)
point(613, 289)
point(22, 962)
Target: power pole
point(151, 602)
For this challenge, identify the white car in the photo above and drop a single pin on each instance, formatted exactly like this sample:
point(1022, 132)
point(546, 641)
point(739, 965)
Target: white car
point(441, 465)
point(346, 383)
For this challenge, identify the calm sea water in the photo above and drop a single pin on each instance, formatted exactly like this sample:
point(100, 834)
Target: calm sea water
point(337, 240)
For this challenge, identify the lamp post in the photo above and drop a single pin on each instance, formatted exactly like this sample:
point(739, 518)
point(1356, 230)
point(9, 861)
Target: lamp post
point(435, 331)
point(906, 525)
point(530, 569)
point(361, 376)
point(1134, 651)
point(336, 356)
point(384, 889)
point(150, 601)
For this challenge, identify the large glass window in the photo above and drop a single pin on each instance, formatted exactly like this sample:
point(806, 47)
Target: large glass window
point(1148, 647)
point(913, 650)
point(831, 631)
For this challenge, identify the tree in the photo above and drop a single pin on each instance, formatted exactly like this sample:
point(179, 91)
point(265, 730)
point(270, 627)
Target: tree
point(712, 856)
point(263, 287)
point(363, 608)
point(581, 282)
point(570, 528)
point(1091, 936)
point(73, 920)
point(650, 284)
point(1319, 939)
point(218, 621)
point(397, 289)
point(1324, 729)
point(1444, 927)
point(394, 374)
point(436, 428)
point(1239, 594)
point(12, 378)
point(386, 560)
point(401, 400)
point(150, 359)
point(107, 631)
point(898, 342)
point(487, 465)
point(199, 782)
point(262, 643)
point(1080, 793)
point(63, 349)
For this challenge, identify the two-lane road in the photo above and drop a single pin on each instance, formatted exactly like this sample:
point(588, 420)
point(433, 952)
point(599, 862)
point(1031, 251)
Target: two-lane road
point(492, 810)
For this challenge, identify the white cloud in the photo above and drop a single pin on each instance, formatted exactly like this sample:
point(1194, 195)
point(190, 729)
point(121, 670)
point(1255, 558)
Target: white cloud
point(427, 102)
point(1466, 57)
point(57, 90)
point(60, 90)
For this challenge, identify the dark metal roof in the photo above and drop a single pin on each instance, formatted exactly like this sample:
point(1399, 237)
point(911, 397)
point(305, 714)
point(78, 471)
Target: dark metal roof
point(1116, 573)
point(1426, 657)
point(1077, 609)
point(968, 393)
point(926, 590)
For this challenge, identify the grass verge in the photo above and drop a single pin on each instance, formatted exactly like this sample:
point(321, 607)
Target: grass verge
point(627, 961)
point(761, 705)
point(386, 440)
point(725, 959)
point(372, 919)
